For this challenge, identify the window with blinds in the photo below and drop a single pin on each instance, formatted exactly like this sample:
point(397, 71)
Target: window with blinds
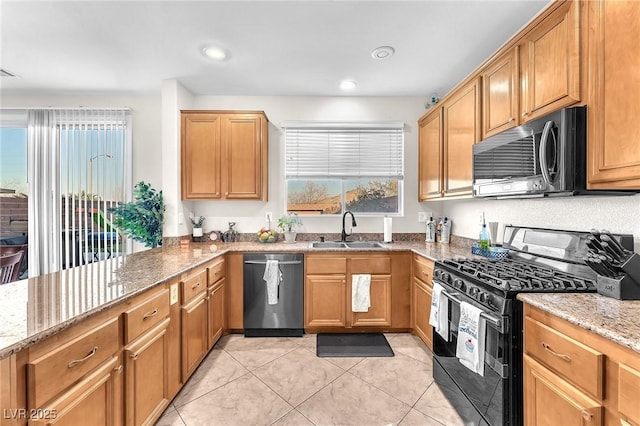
point(334, 167)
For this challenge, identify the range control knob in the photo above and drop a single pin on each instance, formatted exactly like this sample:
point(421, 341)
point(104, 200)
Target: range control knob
point(482, 296)
point(446, 277)
point(459, 284)
point(473, 291)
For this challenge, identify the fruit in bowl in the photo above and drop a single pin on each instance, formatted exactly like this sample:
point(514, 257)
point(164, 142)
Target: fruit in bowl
point(266, 235)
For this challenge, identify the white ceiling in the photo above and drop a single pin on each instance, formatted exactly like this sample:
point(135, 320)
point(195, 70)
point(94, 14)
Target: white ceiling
point(277, 47)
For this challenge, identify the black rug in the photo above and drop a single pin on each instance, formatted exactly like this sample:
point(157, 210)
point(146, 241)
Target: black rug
point(353, 345)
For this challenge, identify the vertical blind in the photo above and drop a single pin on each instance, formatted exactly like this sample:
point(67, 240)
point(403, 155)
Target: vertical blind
point(343, 150)
point(86, 157)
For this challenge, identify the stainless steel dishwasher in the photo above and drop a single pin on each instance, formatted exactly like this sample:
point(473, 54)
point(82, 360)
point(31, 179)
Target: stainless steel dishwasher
point(263, 317)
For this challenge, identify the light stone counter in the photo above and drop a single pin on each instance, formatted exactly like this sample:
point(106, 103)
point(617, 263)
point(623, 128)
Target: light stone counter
point(39, 307)
point(616, 320)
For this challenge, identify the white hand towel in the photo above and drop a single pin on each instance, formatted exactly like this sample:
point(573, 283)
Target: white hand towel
point(471, 338)
point(360, 292)
point(273, 276)
point(439, 315)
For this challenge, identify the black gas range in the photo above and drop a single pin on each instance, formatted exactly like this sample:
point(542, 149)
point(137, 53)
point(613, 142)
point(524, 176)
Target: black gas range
point(541, 260)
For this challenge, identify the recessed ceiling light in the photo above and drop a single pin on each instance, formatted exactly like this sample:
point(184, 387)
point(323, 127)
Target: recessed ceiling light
point(348, 84)
point(214, 52)
point(383, 52)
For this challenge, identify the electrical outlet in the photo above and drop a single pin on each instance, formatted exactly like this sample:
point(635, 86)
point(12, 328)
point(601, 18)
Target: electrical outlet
point(173, 294)
point(422, 217)
point(268, 217)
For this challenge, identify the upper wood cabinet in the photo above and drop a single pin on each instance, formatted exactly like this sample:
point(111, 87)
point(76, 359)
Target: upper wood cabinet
point(224, 155)
point(550, 63)
point(613, 95)
point(430, 155)
point(500, 94)
point(461, 124)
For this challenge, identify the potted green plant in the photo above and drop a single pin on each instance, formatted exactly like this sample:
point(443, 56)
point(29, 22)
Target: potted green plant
point(286, 225)
point(141, 219)
point(197, 225)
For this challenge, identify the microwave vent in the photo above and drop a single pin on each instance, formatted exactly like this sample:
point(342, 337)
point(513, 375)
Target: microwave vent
point(516, 158)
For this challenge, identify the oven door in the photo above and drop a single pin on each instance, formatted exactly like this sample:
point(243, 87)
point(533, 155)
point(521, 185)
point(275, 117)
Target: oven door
point(479, 400)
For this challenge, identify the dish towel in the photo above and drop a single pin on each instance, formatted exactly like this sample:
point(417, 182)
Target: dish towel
point(471, 337)
point(439, 316)
point(273, 276)
point(360, 294)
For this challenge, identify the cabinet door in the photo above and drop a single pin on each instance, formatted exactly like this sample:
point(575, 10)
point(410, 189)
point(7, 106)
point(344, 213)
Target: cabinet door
point(614, 95)
point(94, 397)
point(549, 400)
point(421, 312)
point(379, 313)
point(201, 156)
point(430, 156)
point(461, 131)
point(194, 335)
point(325, 303)
point(245, 153)
point(500, 94)
point(146, 384)
point(550, 63)
point(216, 313)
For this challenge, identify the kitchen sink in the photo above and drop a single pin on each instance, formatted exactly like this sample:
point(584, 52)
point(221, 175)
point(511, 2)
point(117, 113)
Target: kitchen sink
point(327, 244)
point(364, 244)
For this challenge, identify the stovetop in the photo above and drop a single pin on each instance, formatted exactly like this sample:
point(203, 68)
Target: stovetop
point(512, 276)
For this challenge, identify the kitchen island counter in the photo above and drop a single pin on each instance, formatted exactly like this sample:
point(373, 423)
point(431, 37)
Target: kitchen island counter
point(39, 307)
point(615, 320)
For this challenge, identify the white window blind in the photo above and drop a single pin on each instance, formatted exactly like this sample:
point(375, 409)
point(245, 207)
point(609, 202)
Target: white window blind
point(344, 150)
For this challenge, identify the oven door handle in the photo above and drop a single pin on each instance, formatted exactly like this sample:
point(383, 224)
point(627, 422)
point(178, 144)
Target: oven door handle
point(497, 322)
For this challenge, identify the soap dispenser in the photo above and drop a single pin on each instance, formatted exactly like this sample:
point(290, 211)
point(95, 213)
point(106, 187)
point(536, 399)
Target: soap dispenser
point(431, 231)
point(483, 240)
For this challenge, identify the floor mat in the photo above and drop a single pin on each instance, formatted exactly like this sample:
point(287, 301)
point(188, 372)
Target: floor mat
point(353, 345)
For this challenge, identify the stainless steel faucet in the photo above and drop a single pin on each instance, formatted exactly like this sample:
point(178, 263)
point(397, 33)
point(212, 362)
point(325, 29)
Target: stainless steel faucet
point(344, 234)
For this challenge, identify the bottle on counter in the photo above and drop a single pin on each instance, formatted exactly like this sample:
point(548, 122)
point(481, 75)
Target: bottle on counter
point(431, 231)
point(446, 231)
point(483, 238)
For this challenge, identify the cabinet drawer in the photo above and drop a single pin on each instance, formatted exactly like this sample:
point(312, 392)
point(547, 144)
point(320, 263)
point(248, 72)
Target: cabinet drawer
point(215, 272)
point(145, 315)
point(422, 269)
point(67, 363)
point(193, 285)
point(326, 265)
point(371, 265)
point(565, 355)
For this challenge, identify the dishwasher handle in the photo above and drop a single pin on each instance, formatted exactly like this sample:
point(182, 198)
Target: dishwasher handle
point(280, 262)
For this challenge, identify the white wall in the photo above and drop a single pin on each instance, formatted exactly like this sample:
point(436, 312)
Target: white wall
point(616, 214)
point(249, 215)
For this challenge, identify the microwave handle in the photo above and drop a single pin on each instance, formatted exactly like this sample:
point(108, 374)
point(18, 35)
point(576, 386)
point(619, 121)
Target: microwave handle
point(543, 152)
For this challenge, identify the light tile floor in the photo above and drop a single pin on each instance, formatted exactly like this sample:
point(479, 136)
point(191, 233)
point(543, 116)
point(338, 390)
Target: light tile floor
point(280, 381)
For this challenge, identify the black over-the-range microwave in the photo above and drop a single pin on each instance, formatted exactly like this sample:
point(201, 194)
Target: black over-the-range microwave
point(543, 157)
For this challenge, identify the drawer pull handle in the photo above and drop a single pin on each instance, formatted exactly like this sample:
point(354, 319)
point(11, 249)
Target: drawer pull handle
point(196, 285)
point(218, 272)
point(150, 314)
point(80, 361)
point(554, 353)
point(623, 422)
point(424, 273)
point(586, 415)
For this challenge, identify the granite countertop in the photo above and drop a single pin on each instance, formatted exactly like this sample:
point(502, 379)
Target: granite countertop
point(39, 307)
point(613, 319)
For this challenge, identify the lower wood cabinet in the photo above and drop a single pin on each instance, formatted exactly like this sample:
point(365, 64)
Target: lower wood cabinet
point(379, 313)
point(550, 400)
point(421, 299)
point(146, 364)
point(194, 335)
point(95, 397)
point(325, 301)
point(216, 312)
point(574, 376)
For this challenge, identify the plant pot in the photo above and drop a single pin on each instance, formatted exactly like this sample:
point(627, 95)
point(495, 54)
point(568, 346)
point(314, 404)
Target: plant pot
point(290, 236)
point(197, 232)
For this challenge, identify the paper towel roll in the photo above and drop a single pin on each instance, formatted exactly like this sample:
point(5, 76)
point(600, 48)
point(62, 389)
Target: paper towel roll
point(387, 230)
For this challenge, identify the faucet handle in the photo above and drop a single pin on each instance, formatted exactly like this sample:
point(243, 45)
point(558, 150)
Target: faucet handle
point(322, 238)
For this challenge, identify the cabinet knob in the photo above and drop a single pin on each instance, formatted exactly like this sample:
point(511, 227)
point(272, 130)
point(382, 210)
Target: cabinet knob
point(511, 120)
point(586, 415)
point(226, 193)
point(217, 194)
point(118, 369)
point(524, 114)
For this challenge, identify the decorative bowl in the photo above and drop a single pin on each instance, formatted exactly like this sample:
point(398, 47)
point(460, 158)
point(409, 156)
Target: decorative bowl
point(267, 235)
